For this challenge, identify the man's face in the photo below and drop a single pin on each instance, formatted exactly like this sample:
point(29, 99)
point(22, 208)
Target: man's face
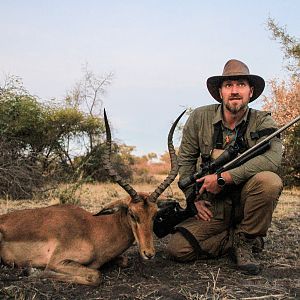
point(235, 94)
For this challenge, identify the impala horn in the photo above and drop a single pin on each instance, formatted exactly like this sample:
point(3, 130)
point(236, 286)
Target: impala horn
point(174, 164)
point(109, 168)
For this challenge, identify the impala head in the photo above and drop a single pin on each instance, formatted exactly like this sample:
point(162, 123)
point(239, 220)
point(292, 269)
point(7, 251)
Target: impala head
point(140, 217)
point(141, 207)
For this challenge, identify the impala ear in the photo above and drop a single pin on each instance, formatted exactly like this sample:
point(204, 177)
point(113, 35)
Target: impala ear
point(110, 211)
point(112, 208)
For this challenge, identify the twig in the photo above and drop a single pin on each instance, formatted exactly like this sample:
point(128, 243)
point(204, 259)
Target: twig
point(265, 297)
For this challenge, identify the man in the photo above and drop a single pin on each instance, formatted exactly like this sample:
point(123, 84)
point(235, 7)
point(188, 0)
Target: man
point(234, 209)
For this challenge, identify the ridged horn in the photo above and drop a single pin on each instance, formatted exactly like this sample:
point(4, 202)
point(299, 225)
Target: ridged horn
point(174, 164)
point(109, 168)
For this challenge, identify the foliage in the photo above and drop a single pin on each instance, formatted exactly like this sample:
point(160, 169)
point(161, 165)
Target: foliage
point(87, 93)
point(284, 103)
point(20, 176)
point(21, 118)
point(92, 164)
point(67, 195)
point(289, 44)
point(38, 141)
point(43, 129)
point(165, 158)
point(86, 96)
point(145, 168)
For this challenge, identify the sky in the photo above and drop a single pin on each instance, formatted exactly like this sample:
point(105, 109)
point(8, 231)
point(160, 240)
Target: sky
point(161, 52)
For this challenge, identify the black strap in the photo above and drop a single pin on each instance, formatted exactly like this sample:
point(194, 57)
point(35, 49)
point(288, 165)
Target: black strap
point(240, 139)
point(218, 136)
point(258, 134)
point(193, 241)
point(244, 125)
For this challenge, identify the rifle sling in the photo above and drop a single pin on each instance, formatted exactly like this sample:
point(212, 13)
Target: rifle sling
point(258, 134)
point(193, 242)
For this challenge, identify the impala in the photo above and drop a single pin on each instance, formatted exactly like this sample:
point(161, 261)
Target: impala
point(69, 243)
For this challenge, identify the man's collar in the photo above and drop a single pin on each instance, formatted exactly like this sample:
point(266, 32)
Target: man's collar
point(219, 116)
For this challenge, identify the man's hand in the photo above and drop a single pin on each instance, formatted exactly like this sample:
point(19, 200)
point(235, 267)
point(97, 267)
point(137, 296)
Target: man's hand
point(204, 213)
point(210, 184)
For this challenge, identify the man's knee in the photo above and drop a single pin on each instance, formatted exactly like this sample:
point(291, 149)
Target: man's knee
point(262, 190)
point(267, 183)
point(179, 248)
point(270, 181)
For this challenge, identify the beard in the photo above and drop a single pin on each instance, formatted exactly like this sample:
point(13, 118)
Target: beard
point(234, 109)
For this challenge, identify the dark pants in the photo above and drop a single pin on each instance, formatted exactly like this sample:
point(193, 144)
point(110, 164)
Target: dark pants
point(253, 215)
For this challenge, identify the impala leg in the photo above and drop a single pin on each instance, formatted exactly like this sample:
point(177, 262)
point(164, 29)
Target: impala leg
point(71, 271)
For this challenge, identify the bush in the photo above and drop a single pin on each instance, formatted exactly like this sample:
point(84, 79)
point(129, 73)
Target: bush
point(290, 168)
point(92, 164)
point(142, 175)
point(20, 176)
point(284, 103)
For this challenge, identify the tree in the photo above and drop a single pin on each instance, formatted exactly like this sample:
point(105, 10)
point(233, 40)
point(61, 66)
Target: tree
point(284, 102)
point(37, 139)
point(93, 167)
point(86, 95)
point(290, 46)
point(20, 176)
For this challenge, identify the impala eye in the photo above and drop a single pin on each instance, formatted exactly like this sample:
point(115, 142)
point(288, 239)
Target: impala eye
point(132, 217)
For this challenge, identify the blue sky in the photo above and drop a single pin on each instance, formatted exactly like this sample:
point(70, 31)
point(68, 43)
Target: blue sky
point(161, 53)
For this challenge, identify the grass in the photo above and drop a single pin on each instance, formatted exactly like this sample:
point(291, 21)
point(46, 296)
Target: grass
point(288, 203)
point(94, 196)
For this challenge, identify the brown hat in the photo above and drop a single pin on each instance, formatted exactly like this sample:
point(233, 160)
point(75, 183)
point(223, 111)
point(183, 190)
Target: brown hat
point(235, 69)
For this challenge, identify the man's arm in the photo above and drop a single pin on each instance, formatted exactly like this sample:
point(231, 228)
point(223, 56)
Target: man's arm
point(188, 151)
point(268, 161)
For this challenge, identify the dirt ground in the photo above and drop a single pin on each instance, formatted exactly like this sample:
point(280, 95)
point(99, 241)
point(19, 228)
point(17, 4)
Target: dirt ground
point(164, 279)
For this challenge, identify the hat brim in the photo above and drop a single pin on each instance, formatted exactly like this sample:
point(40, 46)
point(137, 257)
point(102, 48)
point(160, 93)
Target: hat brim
point(213, 84)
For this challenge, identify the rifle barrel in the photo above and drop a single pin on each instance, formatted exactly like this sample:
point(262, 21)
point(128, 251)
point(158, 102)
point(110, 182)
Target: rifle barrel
point(240, 157)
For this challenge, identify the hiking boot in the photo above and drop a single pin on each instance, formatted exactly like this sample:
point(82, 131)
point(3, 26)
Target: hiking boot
point(242, 254)
point(258, 245)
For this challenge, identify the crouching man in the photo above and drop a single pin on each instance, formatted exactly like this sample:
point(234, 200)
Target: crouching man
point(234, 208)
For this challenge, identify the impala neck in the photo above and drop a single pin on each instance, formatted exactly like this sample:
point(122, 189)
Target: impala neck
point(125, 235)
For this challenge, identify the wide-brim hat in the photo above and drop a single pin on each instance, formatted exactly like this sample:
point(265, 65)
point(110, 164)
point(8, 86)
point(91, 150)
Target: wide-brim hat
point(235, 69)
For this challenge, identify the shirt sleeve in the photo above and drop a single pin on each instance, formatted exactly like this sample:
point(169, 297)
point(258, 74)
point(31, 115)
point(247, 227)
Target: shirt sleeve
point(189, 150)
point(268, 161)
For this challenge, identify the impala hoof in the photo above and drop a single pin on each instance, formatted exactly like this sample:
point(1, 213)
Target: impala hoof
point(148, 255)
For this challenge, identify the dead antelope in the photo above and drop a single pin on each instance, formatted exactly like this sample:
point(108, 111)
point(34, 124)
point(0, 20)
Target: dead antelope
point(71, 244)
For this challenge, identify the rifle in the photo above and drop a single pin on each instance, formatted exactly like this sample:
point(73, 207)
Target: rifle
point(171, 213)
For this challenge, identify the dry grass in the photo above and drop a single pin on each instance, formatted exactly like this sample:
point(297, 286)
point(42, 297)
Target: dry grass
point(288, 204)
point(92, 196)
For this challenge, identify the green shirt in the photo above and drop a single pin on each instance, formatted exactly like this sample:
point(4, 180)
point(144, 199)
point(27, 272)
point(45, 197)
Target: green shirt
point(197, 139)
